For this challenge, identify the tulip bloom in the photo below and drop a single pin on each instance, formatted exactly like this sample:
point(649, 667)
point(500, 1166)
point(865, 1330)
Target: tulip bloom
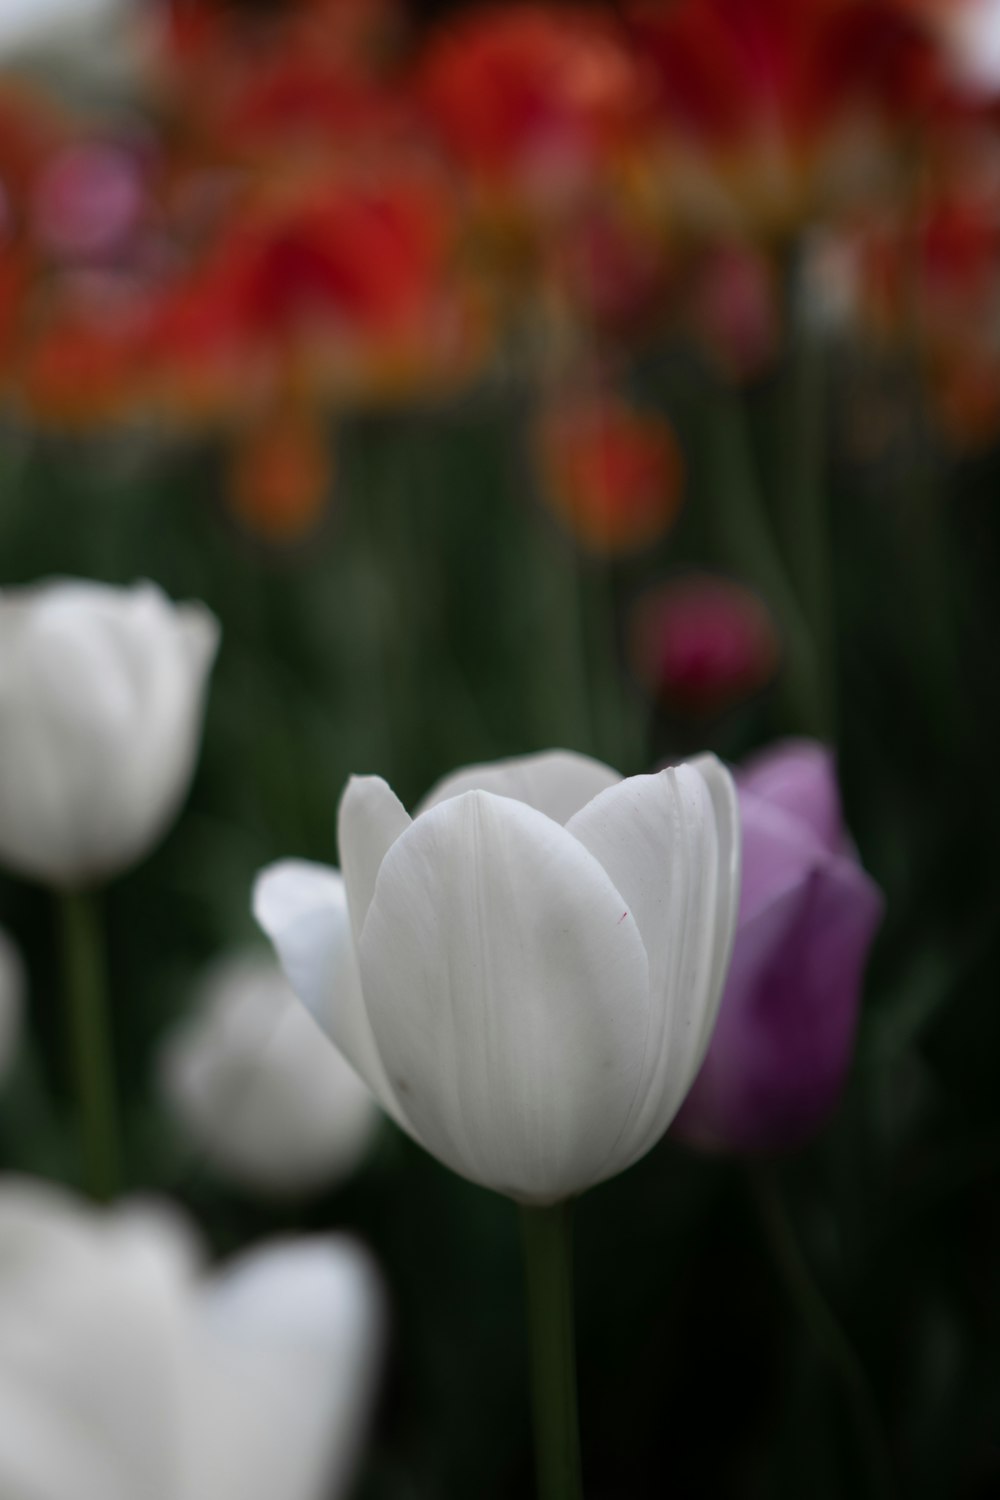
point(525, 974)
point(252, 1083)
point(808, 915)
point(128, 1373)
point(101, 701)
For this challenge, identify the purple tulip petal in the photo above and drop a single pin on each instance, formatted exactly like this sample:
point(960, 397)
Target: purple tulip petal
point(808, 914)
point(799, 776)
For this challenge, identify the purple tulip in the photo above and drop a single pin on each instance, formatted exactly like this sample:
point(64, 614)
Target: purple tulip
point(808, 914)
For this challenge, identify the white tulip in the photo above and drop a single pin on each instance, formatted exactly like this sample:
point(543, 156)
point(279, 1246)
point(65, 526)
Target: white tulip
point(102, 695)
point(128, 1373)
point(12, 987)
point(83, 41)
point(255, 1084)
point(527, 973)
point(972, 36)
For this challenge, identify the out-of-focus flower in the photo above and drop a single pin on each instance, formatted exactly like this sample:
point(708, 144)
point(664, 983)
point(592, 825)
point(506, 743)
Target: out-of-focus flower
point(83, 363)
point(127, 1371)
point(273, 1106)
point(533, 100)
point(280, 476)
point(308, 79)
point(344, 287)
point(607, 264)
point(90, 38)
point(733, 309)
point(12, 987)
point(927, 278)
point(102, 694)
point(611, 473)
point(526, 973)
point(971, 29)
point(27, 24)
point(87, 200)
point(702, 643)
point(771, 108)
point(808, 915)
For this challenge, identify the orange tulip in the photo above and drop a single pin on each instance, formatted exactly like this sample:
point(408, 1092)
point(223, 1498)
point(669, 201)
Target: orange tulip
point(612, 474)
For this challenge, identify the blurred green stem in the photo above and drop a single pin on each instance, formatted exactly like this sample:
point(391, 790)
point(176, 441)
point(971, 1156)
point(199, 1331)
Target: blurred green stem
point(617, 731)
point(749, 548)
point(824, 1330)
point(547, 1241)
point(805, 504)
point(85, 990)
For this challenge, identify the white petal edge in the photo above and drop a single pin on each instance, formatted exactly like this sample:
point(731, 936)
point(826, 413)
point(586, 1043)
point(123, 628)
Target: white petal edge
point(667, 841)
point(555, 782)
point(201, 633)
point(370, 819)
point(302, 907)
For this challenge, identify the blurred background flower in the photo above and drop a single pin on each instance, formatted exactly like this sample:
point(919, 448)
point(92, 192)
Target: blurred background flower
point(128, 1369)
point(101, 700)
point(702, 644)
point(779, 1056)
point(252, 1085)
point(612, 474)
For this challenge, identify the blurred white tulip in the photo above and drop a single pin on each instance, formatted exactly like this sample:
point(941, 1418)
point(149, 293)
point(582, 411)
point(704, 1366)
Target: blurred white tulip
point(127, 1372)
point(12, 986)
point(102, 696)
point(527, 973)
point(971, 33)
point(89, 38)
point(257, 1087)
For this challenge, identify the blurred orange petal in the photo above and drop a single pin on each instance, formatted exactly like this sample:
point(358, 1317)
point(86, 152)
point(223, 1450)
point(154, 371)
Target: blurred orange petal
point(611, 473)
point(280, 477)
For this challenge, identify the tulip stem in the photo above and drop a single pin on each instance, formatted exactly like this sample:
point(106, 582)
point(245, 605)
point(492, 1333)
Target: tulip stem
point(825, 1331)
point(748, 546)
point(85, 983)
point(547, 1241)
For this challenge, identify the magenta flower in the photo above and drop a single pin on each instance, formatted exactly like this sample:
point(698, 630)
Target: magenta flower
point(808, 915)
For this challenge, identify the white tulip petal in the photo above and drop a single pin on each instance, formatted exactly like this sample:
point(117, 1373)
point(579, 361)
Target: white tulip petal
point(253, 1086)
point(670, 844)
point(508, 992)
point(556, 782)
point(128, 1373)
point(200, 633)
point(101, 703)
point(726, 806)
point(306, 1315)
point(369, 821)
point(302, 908)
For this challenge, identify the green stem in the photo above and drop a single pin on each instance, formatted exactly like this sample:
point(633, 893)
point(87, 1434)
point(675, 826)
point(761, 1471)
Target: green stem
point(825, 1331)
point(85, 989)
point(806, 502)
point(746, 541)
point(546, 1237)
